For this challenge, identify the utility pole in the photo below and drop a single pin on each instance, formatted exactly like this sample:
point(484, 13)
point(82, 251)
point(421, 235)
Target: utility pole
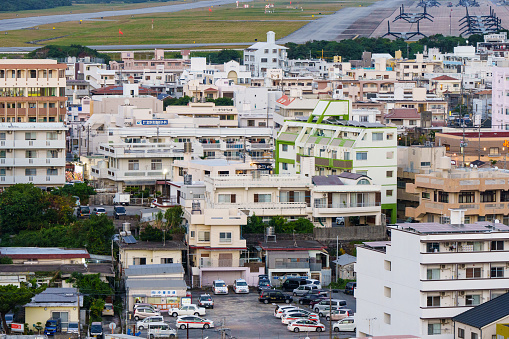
point(79, 317)
point(88, 140)
point(330, 314)
point(79, 140)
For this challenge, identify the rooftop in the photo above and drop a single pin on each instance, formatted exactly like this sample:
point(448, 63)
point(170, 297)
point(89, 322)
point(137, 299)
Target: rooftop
point(403, 113)
point(140, 270)
point(444, 77)
point(148, 284)
point(326, 180)
point(292, 245)
point(43, 252)
point(105, 269)
point(169, 245)
point(55, 295)
point(436, 228)
point(345, 259)
point(485, 313)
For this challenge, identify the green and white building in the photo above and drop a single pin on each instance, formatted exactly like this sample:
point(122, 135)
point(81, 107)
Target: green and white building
point(332, 141)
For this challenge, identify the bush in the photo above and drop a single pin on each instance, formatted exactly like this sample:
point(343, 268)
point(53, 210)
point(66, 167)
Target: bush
point(340, 284)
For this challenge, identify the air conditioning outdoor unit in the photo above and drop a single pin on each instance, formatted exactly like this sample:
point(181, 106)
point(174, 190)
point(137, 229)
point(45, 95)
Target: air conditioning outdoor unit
point(462, 292)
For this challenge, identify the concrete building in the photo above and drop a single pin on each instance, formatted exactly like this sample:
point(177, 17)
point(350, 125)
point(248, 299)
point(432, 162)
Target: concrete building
point(345, 266)
point(32, 153)
point(500, 99)
point(427, 274)
point(329, 143)
point(264, 56)
point(483, 194)
point(204, 115)
point(150, 253)
point(32, 90)
point(49, 255)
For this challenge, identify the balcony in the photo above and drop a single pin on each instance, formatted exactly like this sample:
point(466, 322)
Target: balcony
point(268, 208)
point(27, 162)
point(342, 208)
point(472, 208)
point(207, 262)
point(124, 150)
point(36, 180)
point(265, 180)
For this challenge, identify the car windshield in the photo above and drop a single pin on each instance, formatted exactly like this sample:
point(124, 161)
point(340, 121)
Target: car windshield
point(264, 282)
point(120, 209)
point(85, 210)
point(51, 323)
point(73, 325)
point(205, 298)
point(220, 284)
point(96, 328)
point(101, 210)
point(241, 283)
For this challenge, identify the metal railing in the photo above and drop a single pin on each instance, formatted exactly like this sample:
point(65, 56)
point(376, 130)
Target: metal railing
point(347, 205)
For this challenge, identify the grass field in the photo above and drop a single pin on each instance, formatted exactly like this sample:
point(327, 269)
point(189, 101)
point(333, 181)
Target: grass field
point(224, 24)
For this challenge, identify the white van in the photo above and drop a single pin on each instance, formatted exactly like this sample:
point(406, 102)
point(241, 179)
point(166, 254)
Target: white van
point(240, 286)
point(313, 282)
point(160, 330)
point(219, 287)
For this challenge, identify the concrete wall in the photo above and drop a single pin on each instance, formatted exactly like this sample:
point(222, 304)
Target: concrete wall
point(327, 235)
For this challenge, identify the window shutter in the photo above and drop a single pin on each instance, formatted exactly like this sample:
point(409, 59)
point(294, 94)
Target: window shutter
point(308, 197)
point(329, 199)
point(378, 197)
point(233, 198)
point(256, 198)
point(291, 196)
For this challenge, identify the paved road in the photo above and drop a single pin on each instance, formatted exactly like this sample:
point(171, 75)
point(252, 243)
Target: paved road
point(21, 23)
point(331, 26)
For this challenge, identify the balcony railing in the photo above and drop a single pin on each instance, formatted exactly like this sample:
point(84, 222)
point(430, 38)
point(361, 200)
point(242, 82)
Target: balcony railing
point(347, 205)
point(207, 262)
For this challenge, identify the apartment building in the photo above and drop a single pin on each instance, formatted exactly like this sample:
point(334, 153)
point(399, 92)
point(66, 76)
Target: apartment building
point(412, 69)
point(329, 143)
point(128, 62)
point(293, 107)
point(204, 115)
point(427, 274)
point(263, 56)
point(32, 153)
point(98, 75)
point(32, 90)
point(500, 99)
point(483, 193)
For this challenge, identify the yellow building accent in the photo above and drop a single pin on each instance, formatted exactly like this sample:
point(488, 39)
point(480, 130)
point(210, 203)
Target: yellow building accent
point(503, 331)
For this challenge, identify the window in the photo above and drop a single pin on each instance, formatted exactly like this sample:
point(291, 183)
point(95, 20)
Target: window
point(262, 197)
point(52, 171)
point(443, 196)
point(377, 136)
point(390, 136)
point(388, 174)
point(474, 336)
point(134, 165)
point(361, 155)
point(434, 329)
point(494, 151)
point(363, 182)
point(30, 172)
point(432, 247)
point(192, 234)
point(387, 318)
point(388, 193)
point(51, 136)
point(387, 291)
point(284, 148)
point(203, 236)
point(156, 164)
point(497, 245)
point(264, 59)
point(472, 300)
point(488, 196)
point(284, 166)
point(461, 333)
point(387, 265)
point(30, 136)
point(425, 163)
point(2, 136)
point(425, 195)
point(64, 318)
point(497, 272)
point(347, 155)
point(433, 301)
point(52, 154)
point(474, 272)
point(225, 237)
point(30, 154)
point(433, 274)
point(466, 197)
point(166, 260)
point(226, 198)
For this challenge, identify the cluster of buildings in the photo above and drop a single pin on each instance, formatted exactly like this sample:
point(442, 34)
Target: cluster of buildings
point(371, 142)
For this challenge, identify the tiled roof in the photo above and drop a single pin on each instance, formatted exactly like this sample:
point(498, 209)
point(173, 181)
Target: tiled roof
point(486, 313)
point(444, 77)
point(403, 113)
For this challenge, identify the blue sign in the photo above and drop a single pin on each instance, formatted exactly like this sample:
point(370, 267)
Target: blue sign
point(152, 122)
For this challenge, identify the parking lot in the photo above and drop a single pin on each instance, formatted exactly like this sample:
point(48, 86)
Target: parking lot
point(243, 316)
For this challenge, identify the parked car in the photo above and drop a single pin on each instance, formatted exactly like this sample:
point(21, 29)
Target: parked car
point(155, 308)
point(73, 327)
point(312, 303)
point(240, 286)
point(293, 316)
point(98, 211)
point(306, 325)
point(219, 287)
point(308, 298)
point(96, 330)
point(300, 310)
point(144, 312)
point(303, 289)
point(53, 326)
point(263, 284)
point(143, 324)
point(278, 312)
point(292, 283)
point(271, 296)
point(350, 287)
point(335, 303)
point(186, 310)
point(83, 212)
point(191, 321)
point(119, 211)
point(161, 330)
point(347, 324)
point(206, 301)
point(340, 221)
point(263, 277)
point(313, 282)
point(108, 309)
point(337, 314)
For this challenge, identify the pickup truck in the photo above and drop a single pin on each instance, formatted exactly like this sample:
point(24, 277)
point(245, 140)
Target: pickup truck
point(186, 310)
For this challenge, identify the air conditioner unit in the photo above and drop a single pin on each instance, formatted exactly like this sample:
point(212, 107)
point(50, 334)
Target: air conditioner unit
point(442, 266)
point(442, 293)
point(443, 321)
point(462, 292)
point(9, 168)
point(9, 150)
point(9, 132)
point(462, 266)
point(59, 132)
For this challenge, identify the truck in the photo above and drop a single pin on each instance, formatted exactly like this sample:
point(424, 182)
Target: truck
point(122, 199)
point(53, 326)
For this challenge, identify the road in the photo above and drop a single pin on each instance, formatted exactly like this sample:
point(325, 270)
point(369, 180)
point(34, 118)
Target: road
point(330, 27)
point(21, 23)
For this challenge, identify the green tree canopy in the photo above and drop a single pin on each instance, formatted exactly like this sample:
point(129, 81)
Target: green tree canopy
point(12, 296)
point(91, 286)
point(81, 190)
point(150, 233)
point(60, 52)
point(183, 101)
point(280, 224)
point(173, 216)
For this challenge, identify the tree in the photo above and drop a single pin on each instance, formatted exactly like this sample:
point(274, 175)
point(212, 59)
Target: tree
point(225, 55)
point(150, 233)
point(301, 225)
point(81, 190)
point(91, 286)
point(96, 308)
point(12, 296)
point(173, 216)
point(183, 101)
point(254, 225)
point(60, 52)
point(223, 102)
point(5, 261)
point(95, 234)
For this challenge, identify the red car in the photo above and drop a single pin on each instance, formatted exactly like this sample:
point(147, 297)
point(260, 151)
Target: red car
point(312, 303)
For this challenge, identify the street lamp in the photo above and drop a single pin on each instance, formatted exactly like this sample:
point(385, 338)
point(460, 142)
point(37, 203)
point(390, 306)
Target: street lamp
point(165, 171)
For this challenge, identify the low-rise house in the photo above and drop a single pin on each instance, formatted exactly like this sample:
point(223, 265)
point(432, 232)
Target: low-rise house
point(54, 303)
point(345, 266)
point(150, 253)
point(45, 255)
point(481, 322)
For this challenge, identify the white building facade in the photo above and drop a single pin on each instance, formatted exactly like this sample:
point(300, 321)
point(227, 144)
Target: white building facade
point(263, 56)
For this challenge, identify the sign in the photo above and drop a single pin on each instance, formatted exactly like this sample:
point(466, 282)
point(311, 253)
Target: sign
point(112, 326)
point(17, 327)
point(185, 301)
point(162, 293)
point(506, 143)
point(157, 122)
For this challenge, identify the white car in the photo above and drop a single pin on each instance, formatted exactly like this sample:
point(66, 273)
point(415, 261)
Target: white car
point(99, 211)
point(219, 287)
point(279, 312)
point(305, 325)
point(240, 286)
point(143, 324)
point(144, 312)
point(73, 327)
point(191, 309)
point(347, 324)
point(192, 321)
point(294, 316)
point(301, 290)
point(161, 330)
point(322, 305)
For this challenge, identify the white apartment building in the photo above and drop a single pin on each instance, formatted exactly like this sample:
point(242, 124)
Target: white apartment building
point(330, 143)
point(32, 153)
point(263, 56)
point(500, 99)
point(427, 274)
point(98, 75)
